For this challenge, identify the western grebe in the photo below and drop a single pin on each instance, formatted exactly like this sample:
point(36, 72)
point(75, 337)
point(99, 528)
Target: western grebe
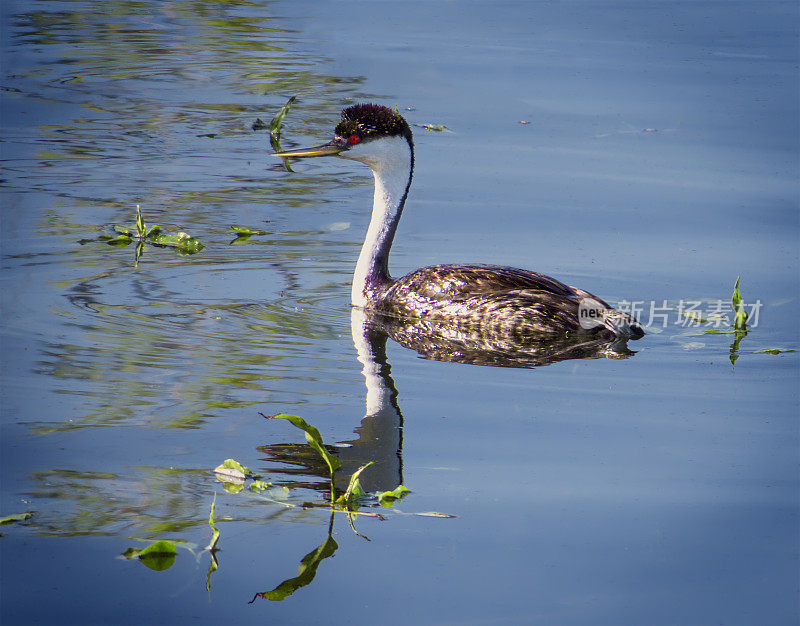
point(485, 299)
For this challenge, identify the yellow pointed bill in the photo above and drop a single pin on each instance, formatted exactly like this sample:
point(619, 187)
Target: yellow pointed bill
point(327, 149)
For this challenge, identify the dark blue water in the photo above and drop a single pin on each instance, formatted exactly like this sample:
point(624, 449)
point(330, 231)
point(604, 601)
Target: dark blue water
point(647, 152)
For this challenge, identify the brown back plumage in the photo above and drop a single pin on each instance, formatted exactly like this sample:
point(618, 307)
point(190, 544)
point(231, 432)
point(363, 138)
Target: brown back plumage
point(494, 301)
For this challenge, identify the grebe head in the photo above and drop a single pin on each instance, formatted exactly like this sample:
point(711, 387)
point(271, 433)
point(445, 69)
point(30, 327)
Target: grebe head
point(371, 133)
point(380, 138)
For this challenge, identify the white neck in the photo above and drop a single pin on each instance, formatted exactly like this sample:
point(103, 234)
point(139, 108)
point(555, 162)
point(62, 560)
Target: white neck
point(392, 163)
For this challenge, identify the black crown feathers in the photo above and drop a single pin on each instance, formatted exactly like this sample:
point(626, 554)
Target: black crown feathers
point(370, 121)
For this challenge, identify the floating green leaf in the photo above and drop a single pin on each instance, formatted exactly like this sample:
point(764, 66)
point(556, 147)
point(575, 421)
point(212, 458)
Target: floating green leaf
point(17, 517)
point(181, 241)
point(774, 351)
point(437, 128)
point(158, 556)
point(313, 438)
point(388, 498)
point(244, 230)
point(694, 317)
point(152, 231)
point(122, 240)
point(307, 572)
point(232, 471)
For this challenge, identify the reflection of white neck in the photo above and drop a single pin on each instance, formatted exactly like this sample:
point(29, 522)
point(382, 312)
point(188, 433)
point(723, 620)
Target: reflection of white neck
point(379, 394)
point(380, 435)
point(392, 163)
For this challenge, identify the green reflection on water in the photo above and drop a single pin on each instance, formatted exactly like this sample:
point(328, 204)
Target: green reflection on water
point(73, 502)
point(157, 365)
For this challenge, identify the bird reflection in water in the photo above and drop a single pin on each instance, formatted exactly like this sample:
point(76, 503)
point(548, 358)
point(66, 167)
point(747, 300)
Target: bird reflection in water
point(380, 434)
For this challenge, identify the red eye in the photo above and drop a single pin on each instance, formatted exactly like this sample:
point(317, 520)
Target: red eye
point(354, 139)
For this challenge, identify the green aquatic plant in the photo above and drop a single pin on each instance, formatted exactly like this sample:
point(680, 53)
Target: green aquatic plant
point(233, 473)
point(244, 230)
point(352, 496)
point(243, 234)
point(437, 128)
point(233, 476)
point(694, 318)
point(17, 517)
point(307, 571)
point(275, 130)
point(739, 327)
point(313, 438)
point(740, 315)
point(140, 225)
point(153, 234)
point(388, 498)
point(158, 556)
point(212, 545)
point(212, 548)
point(739, 322)
point(277, 121)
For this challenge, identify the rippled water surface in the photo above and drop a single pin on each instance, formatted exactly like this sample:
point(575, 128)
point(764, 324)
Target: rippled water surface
point(647, 152)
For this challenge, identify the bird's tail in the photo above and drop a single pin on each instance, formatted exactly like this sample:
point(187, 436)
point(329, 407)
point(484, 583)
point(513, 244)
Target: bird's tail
point(622, 324)
point(594, 314)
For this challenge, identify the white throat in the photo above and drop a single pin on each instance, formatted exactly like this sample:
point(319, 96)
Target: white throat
point(391, 160)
